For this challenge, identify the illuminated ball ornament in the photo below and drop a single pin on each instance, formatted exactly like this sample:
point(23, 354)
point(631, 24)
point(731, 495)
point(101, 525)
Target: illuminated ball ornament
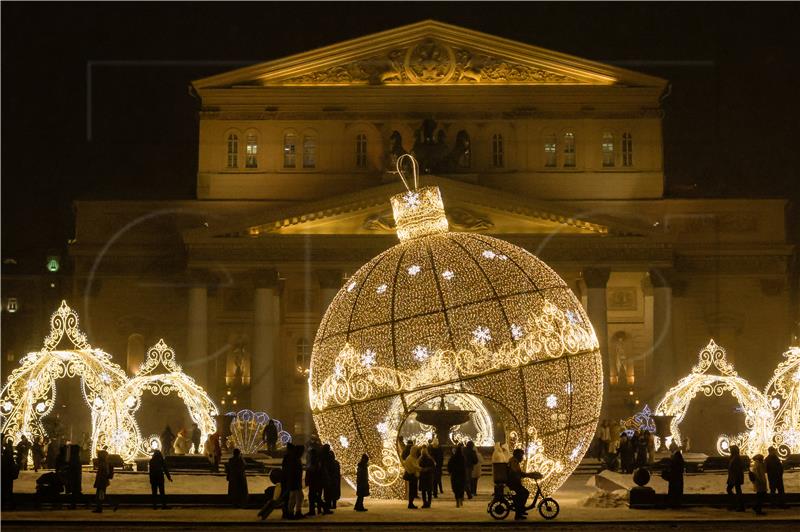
point(454, 313)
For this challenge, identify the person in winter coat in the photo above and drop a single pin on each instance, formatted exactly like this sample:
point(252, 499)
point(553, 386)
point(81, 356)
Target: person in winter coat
point(52, 453)
point(326, 471)
point(102, 480)
point(213, 450)
point(437, 453)
point(758, 476)
point(412, 469)
point(37, 451)
point(157, 469)
point(735, 479)
point(9, 474)
point(641, 448)
point(196, 436)
point(271, 436)
point(458, 477)
point(470, 459)
point(167, 439)
point(476, 472)
point(182, 444)
point(293, 471)
point(274, 495)
point(427, 471)
point(335, 480)
point(235, 473)
point(515, 476)
point(362, 483)
point(315, 483)
point(651, 447)
point(22, 453)
point(775, 477)
point(676, 469)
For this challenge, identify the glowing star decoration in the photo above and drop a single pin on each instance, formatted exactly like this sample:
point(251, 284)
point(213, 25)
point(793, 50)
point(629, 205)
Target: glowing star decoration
point(759, 418)
point(369, 405)
point(783, 390)
point(552, 401)
point(448, 274)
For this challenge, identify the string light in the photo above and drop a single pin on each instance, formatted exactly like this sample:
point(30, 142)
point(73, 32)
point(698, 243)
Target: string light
point(783, 391)
point(247, 431)
point(442, 318)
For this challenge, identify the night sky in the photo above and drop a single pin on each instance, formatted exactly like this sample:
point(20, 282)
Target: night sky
point(730, 127)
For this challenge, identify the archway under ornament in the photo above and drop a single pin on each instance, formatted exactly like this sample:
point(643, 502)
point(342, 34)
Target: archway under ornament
point(759, 418)
point(783, 393)
point(30, 391)
point(201, 408)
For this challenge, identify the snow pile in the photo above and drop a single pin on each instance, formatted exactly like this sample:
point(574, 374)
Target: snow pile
point(605, 499)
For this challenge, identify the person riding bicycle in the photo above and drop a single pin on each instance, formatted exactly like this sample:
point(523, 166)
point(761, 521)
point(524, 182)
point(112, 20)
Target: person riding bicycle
point(515, 476)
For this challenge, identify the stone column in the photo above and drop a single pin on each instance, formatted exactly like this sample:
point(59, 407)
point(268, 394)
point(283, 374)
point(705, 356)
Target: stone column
point(196, 360)
point(266, 330)
point(663, 349)
point(596, 280)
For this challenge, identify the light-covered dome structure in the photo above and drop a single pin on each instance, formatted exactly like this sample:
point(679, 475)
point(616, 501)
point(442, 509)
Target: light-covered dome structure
point(454, 313)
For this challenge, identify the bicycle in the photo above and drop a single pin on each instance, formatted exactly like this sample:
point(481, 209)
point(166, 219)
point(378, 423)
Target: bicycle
point(503, 501)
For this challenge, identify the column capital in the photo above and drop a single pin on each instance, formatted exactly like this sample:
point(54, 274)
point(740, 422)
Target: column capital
point(329, 279)
point(266, 278)
point(596, 277)
point(662, 277)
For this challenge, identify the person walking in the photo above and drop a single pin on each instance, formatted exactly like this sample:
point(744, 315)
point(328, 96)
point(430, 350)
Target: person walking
point(775, 477)
point(476, 471)
point(758, 476)
point(23, 447)
point(196, 436)
point(37, 450)
point(470, 458)
point(412, 469)
point(676, 469)
point(458, 478)
point(271, 436)
point(9, 473)
point(362, 483)
point(735, 480)
point(427, 471)
point(102, 479)
point(167, 439)
point(236, 474)
point(314, 483)
point(437, 453)
point(157, 469)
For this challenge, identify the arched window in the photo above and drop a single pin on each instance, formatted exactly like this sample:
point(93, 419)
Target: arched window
point(550, 150)
point(608, 149)
point(233, 150)
point(289, 150)
point(361, 150)
point(627, 149)
point(309, 151)
point(463, 150)
point(497, 151)
point(569, 149)
point(302, 356)
point(251, 151)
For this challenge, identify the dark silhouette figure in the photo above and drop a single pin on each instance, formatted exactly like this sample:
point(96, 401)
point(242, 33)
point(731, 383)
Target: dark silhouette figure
point(102, 478)
point(326, 469)
point(271, 436)
point(437, 453)
point(52, 453)
point(427, 471)
point(515, 476)
point(735, 480)
point(9, 473)
point(775, 476)
point(758, 476)
point(314, 483)
point(274, 495)
point(470, 459)
point(334, 481)
point(237, 479)
point(48, 488)
point(406, 450)
point(22, 453)
point(68, 468)
point(362, 483)
point(458, 474)
point(158, 470)
point(412, 469)
point(676, 469)
point(196, 434)
point(37, 451)
point(641, 449)
point(214, 451)
point(293, 470)
point(626, 454)
point(167, 439)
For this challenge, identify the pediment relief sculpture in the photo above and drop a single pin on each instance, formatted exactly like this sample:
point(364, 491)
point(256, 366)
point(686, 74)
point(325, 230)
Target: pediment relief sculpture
point(429, 61)
point(460, 219)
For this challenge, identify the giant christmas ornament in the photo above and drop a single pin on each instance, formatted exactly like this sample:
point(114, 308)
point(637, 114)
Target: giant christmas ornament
point(454, 313)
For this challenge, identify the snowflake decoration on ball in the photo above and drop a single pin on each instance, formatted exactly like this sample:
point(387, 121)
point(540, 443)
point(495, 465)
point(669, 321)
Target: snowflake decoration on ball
point(414, 270)
point(344, 441)
point(369, 358)
point(420, 353)
point(551, 401)
point(482, 335)
point(489, 254)
point(447, 274)
point(517, 331)
point(381, 289)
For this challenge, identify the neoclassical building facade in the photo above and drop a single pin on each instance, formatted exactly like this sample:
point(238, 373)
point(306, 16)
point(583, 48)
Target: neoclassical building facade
point(554, 153)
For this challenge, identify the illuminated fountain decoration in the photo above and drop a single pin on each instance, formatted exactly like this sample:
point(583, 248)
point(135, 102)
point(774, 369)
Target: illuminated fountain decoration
point(446, 313)
point(247, 431)
point(759, 417)
point(430, 414)
point(783, 393)
point(128, 398)
point(30, 391)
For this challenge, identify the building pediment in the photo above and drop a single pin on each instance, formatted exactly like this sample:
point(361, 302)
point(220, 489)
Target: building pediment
point(428, 53)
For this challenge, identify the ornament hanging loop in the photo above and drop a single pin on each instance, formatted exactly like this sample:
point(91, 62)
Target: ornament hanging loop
point(414, 169)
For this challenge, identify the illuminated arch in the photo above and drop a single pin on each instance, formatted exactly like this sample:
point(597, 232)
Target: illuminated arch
point(30, 392)
point(128, 396)
point(758, 414)
point(783, 393)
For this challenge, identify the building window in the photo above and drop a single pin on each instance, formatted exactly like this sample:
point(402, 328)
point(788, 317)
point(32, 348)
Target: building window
point(550, 151)
point(497, 151)
point(361, 150)
point(251, 150)
point(233, 150)
point(309, 151)
point(627, 149)
point(289, 150)
point(11, 305)
point(463, 150)
point(608, 149)
point(302, 357)
point(569, 149)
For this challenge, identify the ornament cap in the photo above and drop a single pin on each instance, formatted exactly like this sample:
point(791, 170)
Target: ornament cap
point(418, 213)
